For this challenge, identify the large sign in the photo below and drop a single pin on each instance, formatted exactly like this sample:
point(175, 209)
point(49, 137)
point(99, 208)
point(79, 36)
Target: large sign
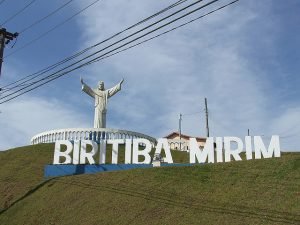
point(216, 149)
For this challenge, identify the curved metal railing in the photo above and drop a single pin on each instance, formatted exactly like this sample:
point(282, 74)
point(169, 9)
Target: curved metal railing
point(95, 134)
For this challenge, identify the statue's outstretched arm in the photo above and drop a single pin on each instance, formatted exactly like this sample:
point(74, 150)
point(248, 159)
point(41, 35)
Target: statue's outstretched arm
point(81, 80)
point(115, 89)
point(87, 89)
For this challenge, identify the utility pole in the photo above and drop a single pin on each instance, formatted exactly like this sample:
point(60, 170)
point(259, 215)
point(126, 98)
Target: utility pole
point(206, 115)
point(5, 38)
point(180, 119)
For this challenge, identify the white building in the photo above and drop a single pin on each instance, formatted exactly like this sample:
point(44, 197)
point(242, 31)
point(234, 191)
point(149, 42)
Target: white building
point(181, 142)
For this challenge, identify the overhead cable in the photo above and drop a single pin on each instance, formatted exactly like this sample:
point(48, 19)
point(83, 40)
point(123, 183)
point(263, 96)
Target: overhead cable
point(50, 30)
point(49, 68)
point(99, 58)
point(131, 35)
point(17, 13)
point(58, 74)
point(45, 17)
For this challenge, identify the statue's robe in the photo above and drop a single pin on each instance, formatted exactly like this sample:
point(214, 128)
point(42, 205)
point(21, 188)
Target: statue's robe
point(101, 99)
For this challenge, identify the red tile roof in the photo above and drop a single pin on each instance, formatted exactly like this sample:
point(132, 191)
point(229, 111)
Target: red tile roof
point(175, 133)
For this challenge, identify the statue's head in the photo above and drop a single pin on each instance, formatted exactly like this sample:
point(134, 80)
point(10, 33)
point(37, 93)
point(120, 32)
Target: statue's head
point(101, 85)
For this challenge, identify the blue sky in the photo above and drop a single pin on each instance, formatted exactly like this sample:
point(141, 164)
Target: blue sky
point(245, 59)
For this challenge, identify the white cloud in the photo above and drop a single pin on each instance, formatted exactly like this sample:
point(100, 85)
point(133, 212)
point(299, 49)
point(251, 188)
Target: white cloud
point(215, 57)
point(174, 73)
point(287, 126)
point(22, 119)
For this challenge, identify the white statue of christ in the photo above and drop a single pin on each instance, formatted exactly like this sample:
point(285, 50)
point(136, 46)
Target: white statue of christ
point(101, 97)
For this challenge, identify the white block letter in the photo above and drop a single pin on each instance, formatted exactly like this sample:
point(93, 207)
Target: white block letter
point(115, 149)
point(248, 146)
point(128, 151)
point(163, 144)
point(260, 148)
point(76, 152)
point(208, 151)
point(65, 154)
point(145, 152)
point(102, 154)
point(236, 152)
point(88, 155)
point(219, 143)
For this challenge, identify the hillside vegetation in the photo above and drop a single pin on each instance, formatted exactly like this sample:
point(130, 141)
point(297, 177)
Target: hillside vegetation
point(263, 191)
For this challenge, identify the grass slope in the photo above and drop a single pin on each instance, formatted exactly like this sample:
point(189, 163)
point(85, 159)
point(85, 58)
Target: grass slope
point(248, 192)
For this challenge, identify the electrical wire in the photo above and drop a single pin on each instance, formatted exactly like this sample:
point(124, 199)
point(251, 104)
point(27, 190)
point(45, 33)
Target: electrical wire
point(163, 33)
point(45, 17)
point(51, 77)
point(52, 29)
point(17, 13)
point(178, 11)
point(158, 28)
point(47, 69)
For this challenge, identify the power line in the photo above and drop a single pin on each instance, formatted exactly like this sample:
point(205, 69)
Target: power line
point(45, 17)
point(83, 51)
point(51, 77)
point(160, 27)
point(100, 57)
point(163, 33)
point(52, 29)
point(17, 13)
point(147, 28)
point(60, 73)
point(47, 69)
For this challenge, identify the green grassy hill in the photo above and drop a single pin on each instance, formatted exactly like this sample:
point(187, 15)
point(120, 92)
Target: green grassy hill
point(263, 191)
